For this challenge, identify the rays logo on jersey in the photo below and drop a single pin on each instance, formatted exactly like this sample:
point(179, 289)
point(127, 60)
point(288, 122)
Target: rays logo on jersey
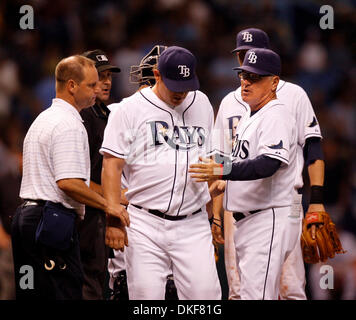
point(240, 148)
point(313, 123)
point(179, 137)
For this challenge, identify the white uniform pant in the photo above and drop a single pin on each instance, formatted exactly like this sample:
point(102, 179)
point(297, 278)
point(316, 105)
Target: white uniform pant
point(158, 247)
point(115, 265)
point(263, 242)
point(292, 283)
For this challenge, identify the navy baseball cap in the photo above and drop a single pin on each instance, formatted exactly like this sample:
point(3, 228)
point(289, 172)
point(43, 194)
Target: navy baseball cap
point(177, 68)
point(261, 61)
point(251, 38)
point(101, 60)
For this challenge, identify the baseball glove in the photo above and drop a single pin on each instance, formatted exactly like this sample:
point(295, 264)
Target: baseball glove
point(326, 242)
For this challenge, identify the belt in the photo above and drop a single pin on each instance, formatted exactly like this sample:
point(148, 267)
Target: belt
point(165, 216)
point(240, 215)
point(30, 202)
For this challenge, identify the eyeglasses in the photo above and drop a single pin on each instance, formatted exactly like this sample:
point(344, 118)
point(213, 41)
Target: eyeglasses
point(253, 77)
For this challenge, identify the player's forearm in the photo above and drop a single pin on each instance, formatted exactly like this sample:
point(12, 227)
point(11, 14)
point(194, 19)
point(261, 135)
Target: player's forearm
point(96, 187)
point(316, 177)
point(218, 206)
point(316, 173)
point(79, 191)
point(111, 181)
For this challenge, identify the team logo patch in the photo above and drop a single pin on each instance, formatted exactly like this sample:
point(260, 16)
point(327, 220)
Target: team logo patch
point(277, 146)
point(247, 37)
point(313, 123)
point(101, 57)
point(184, 71)
point(252, 58)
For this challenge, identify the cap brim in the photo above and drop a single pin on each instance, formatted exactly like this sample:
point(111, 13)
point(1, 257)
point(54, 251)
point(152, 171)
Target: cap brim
point(253, 70)
point(242, 48)
point(182, 85)
point(108, 67)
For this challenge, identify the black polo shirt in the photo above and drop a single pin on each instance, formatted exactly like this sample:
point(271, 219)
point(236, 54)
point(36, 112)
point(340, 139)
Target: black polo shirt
point(95, 120)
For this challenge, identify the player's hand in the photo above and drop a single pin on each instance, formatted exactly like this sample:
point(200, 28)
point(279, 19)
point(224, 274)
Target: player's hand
point(217, 188)
point(116, 238)
point(206, 171)
point(119, 212)
point(315, 207)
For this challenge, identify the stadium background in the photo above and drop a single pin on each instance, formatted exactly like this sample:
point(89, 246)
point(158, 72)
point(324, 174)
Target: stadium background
point(321, 61)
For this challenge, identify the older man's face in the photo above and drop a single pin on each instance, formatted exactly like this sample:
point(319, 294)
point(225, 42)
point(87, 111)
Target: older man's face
point(255, 88)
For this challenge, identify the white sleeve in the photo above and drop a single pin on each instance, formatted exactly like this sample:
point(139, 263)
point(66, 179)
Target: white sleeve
point(307, 123)
point(118, 134)
point(69, 154)
point(275, 137)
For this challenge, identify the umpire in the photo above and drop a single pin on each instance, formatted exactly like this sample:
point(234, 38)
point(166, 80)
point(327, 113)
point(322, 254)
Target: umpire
point(94, 253)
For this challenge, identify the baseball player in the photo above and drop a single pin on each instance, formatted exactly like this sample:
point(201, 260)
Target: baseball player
point(260, 179)
point(142, 75)
point(309, 150)
point(153, 136)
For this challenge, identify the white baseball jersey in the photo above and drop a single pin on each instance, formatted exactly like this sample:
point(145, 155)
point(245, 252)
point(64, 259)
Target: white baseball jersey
point(270, 132)
point(159, 143)
point(232, 108)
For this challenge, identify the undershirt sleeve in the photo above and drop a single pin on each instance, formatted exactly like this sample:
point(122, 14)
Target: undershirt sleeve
point(312, 151)
point(261, 167)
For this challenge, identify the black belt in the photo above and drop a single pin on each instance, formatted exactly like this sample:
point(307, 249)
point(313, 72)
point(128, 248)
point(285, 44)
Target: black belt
point(31, 202)
point(165, 216)
point(240, 215)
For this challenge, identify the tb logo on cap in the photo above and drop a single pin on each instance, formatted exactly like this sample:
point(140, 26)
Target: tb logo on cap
point(246, 36)
point(184, 70)
point(101, 57)
point(252, 58)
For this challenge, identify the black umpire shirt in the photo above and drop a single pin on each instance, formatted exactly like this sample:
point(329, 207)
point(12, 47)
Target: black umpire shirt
point(95, 120)
point(92, 228)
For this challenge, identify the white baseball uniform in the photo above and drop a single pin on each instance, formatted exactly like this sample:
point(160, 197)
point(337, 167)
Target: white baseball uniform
point(232, 109)
point(159, 143)
point(270, 228)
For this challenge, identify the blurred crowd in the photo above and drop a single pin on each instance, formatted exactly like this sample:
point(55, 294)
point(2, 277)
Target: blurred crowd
point(321, 61)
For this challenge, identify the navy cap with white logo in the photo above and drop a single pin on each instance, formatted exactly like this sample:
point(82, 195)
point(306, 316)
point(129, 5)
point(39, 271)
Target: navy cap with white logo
point(251, 38)
point(101, 60)
point(261, 61)
point(177, 68)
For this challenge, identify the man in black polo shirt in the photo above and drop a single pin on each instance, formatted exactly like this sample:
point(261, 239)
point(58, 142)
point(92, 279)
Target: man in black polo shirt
point(94, 253)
